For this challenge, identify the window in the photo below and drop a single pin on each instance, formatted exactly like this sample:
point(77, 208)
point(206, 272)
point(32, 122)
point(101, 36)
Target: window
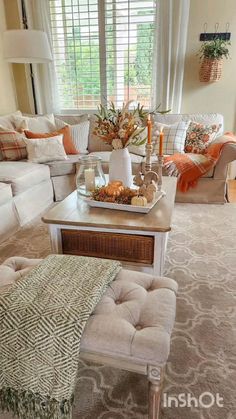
point(103, 51)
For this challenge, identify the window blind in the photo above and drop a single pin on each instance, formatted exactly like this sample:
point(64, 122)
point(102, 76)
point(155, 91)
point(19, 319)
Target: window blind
point(103, 51)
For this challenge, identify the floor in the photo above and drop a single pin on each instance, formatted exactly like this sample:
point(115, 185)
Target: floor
point(203, 356)
point(232, 190)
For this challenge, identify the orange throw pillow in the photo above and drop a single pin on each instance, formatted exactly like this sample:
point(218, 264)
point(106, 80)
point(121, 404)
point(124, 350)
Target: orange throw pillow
point(67, 140)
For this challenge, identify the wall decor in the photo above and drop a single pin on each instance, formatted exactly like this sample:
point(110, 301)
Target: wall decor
point(212, 54)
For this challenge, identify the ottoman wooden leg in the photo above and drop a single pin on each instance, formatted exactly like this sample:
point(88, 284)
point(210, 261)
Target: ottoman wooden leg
point(154, 391)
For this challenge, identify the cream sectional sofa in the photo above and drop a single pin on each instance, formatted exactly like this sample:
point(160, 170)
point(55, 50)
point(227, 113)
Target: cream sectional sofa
point(211, 188)
point(25, 192)
point(27, 189)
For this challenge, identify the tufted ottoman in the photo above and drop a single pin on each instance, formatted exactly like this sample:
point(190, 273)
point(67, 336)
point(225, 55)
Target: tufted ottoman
point(129, 329)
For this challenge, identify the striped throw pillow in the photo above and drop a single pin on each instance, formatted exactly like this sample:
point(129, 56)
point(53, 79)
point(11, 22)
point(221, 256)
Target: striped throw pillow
point(79, 133)
point(12, 146)
point(174, 136)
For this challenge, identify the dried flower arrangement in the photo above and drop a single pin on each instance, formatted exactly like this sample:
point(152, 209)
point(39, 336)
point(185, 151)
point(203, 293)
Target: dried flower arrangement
point(121, 127)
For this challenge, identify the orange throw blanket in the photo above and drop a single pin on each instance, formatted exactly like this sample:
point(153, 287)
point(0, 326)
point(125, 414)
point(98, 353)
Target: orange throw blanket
point(190, 167)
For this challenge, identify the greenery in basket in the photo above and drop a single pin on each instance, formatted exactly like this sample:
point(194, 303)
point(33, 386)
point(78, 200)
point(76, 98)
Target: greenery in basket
point(122, 127)
point(214, 50)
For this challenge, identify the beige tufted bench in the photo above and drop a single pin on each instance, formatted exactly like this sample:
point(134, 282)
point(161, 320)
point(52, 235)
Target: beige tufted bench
point(129, 329)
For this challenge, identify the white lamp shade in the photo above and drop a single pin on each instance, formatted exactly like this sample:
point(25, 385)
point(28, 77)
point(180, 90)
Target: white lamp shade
point(26, 46)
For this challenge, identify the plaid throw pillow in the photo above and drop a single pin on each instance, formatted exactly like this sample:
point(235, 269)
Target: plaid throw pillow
point(200, 136)
point(12, 146)
point(174, 136)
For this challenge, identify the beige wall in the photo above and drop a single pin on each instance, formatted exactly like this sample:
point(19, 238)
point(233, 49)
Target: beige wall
point(19, 70)
point(8, 101)
point(210, 97)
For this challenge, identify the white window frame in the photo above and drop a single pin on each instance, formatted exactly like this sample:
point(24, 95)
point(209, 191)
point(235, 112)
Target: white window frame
point(102, 63)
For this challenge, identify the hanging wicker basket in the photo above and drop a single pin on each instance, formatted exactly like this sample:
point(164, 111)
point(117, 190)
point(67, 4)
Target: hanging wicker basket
point(210, 70)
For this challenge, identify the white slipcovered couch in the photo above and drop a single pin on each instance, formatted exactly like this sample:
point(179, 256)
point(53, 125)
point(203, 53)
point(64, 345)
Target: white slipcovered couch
point(27, 189)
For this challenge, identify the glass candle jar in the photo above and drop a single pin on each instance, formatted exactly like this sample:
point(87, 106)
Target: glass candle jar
point(90, 175)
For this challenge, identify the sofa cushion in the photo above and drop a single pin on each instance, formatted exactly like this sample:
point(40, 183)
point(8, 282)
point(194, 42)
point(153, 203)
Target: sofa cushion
point(5, 193)
point(67, 139)
point(105, 156)
point(70, 119)
point(95, 144)
point(66, 167)
point(79, 134)
point(200, 136)
point(174, 136)
point(6, 121)
point(42, 150)
point(39, 123)
point(23, 175)
point(201, 118)
point(12, 146)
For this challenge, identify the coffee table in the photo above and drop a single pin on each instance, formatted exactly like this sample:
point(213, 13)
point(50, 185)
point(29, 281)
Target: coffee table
point(137, 240)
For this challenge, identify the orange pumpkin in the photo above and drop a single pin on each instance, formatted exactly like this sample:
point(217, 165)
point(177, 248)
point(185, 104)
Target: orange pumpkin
point(114, 188)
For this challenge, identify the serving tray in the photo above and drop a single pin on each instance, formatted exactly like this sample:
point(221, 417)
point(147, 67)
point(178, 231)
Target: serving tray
point(125, 207)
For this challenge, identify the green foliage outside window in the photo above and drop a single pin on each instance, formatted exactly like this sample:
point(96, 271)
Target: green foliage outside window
point(79, 73)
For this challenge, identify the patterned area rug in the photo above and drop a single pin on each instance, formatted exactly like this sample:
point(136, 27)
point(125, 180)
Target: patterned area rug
point(201, 257)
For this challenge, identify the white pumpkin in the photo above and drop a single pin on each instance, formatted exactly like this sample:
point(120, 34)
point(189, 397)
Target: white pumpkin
point(140, 201)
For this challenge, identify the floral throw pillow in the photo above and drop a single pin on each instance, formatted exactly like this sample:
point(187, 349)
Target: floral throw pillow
point(199, 137)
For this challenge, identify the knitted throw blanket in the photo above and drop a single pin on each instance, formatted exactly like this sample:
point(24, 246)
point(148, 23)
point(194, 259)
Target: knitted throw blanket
point(190, 167)
point(42, 318)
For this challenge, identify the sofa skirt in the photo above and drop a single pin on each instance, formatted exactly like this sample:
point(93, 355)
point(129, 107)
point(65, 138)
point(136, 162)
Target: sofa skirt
point(207, 191)
point(32, 202)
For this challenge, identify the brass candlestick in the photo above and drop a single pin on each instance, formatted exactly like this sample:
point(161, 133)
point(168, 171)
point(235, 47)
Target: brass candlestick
point(148, 163)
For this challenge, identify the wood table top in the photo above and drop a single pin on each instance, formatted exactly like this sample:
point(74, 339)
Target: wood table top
point(75, 211)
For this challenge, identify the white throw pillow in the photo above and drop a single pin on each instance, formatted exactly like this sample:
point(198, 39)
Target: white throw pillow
point(7, 121)
point(174, 136)
point(42, 150)
point(79, 134)
point(40, 124)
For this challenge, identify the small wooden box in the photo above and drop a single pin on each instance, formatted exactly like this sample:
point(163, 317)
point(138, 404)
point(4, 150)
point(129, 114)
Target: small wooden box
point(123, 247)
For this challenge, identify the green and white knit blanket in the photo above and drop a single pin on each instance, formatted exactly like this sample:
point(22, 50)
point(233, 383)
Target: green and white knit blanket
point(42, 318)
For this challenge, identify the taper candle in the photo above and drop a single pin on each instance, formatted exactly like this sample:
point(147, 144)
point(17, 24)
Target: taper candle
point(161, 139)
point(149, 129)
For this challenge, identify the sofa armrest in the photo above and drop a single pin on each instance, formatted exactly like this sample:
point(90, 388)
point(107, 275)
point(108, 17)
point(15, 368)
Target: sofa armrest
point(228, 155)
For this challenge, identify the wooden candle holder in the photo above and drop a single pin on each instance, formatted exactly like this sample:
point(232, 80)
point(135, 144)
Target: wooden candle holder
point(160, 160)
point(148, 163)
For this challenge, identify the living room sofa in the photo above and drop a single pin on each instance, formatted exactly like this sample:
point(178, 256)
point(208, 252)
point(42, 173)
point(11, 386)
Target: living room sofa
point(211, 188)
point(25, 192)
point(27, 189)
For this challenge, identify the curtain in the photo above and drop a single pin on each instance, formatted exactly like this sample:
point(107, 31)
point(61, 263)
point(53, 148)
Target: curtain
point(169, 53)
point(38, 17)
